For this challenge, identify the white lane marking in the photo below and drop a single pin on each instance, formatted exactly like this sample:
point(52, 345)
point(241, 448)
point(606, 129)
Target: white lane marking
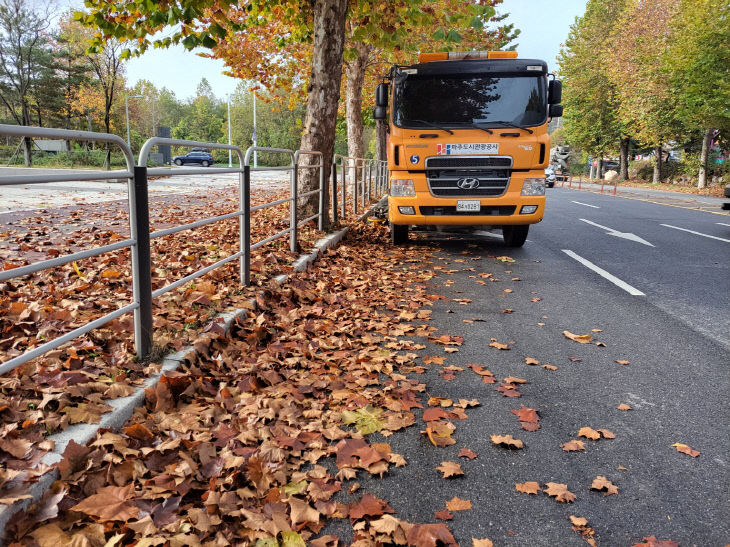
point(697, 233)
point(722, 224)
point(623, 235)
point(603, 273)
point(586, 204)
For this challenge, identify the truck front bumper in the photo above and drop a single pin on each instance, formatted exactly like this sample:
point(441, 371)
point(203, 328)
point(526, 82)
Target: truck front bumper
point(429, 210)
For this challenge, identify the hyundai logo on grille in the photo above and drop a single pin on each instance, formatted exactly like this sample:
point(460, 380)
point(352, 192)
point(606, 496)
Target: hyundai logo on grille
point(468, 183)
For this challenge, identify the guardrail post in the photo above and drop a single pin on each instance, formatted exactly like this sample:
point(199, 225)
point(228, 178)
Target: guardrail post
point(334, 191)
point(244, 223)
point(354, 189)
point(141, 262)
point(343, 211)
point(293, 209)
point(322, 189)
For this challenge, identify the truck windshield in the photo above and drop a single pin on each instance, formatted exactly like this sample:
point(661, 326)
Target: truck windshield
point(455, 100)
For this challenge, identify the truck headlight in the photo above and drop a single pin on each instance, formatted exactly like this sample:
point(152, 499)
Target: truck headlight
point(533, 187)
point(402, 188)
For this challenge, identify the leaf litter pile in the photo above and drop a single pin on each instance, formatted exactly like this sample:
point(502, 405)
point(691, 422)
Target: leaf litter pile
point(252, 438)
point(258, 436)
point(73, 383)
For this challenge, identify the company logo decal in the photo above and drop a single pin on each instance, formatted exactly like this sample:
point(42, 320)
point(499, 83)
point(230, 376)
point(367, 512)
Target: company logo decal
point(468, 183)
point(415, 159)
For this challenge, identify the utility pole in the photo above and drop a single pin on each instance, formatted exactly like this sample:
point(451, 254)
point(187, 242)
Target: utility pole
point(126, 107)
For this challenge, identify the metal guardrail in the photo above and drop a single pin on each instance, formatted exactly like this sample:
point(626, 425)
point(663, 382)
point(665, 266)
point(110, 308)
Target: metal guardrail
point(368, 179)
point(373, 180)
point(133, 189)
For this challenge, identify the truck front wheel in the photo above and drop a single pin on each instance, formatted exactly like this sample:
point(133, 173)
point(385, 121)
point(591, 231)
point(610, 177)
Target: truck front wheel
point(515, 236)
point(398, 233)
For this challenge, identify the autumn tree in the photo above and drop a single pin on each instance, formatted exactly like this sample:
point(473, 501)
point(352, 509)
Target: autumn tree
point(697, 61)
point(645, 105)
point(591, 95)
point(22, 44)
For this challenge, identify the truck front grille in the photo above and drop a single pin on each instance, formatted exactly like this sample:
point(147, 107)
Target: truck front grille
point(468, 176)
point(485, 210)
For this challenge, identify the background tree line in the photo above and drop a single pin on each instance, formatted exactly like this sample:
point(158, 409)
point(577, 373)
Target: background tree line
point(644, 74)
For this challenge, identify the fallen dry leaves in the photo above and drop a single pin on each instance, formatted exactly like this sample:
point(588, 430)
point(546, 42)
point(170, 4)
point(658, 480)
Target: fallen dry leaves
point(529, 487)
point(559, 491)
point(450, 469)
point(458, 504)
point(507, 441)
point(685, 449)
point(602, 484)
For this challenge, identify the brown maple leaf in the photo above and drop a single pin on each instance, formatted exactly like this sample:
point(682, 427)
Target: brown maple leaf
point(467, 453)
point(607, 433)
point(507, 441)
point(457, 504)
point(482, 542)
point(529, 487)
point(443, 515)
point(601, 483)
point(370, 506)
point(531, 361)
point(439, 433)
point(572, 446)
point(589, 433)
point(621, 362)
point(624, 406)
point(450, 469)
point(559, 491)
point(549, 367)
point(685, 449)
point(430, 535)
point(497, 345)
point(580, 338)
point(110, 503)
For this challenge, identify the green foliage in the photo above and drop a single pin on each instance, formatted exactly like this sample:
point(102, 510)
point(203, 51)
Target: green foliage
point(697, 62)
point(589, 95)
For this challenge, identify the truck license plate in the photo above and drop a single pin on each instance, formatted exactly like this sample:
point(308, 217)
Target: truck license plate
point(468, 205)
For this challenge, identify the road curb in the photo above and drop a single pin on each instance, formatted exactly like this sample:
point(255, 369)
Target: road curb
point(124, 407)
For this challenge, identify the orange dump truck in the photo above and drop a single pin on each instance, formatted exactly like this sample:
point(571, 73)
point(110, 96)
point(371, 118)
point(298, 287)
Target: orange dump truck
point(468, 142)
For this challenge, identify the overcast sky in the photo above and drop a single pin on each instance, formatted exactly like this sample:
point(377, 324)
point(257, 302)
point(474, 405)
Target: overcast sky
point(544, 25)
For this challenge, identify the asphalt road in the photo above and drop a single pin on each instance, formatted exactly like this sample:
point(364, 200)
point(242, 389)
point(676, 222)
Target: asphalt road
point(31, 197)
point(665, 311)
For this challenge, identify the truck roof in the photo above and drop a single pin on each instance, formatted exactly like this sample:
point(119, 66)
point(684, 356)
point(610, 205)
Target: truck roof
point(477, 66)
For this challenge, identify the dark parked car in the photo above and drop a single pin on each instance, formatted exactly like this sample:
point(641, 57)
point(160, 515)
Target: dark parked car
point(203, 158)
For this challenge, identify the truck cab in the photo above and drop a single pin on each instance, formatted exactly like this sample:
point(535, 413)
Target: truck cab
point(468, 142)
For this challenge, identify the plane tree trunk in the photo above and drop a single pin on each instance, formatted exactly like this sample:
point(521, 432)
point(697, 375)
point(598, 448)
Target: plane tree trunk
point(323, 95)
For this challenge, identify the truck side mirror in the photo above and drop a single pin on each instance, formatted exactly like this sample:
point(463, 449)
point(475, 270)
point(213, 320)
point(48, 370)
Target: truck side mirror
point(380, 113)
point(555, 92)
point(556, 110)
point(381, 95)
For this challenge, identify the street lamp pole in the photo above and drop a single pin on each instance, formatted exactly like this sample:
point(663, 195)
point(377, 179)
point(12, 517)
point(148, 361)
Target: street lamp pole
point(255, 154)
point(126, 108)
point(230, 142)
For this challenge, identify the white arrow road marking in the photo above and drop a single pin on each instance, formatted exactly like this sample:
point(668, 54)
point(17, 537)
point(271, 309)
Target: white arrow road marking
point(697, 233)
point(603, 273)
point(624, 235)
point(586, 204)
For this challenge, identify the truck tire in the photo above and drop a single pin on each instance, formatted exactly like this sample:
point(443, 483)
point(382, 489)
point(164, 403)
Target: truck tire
point(398, 233)
point(515, 236)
